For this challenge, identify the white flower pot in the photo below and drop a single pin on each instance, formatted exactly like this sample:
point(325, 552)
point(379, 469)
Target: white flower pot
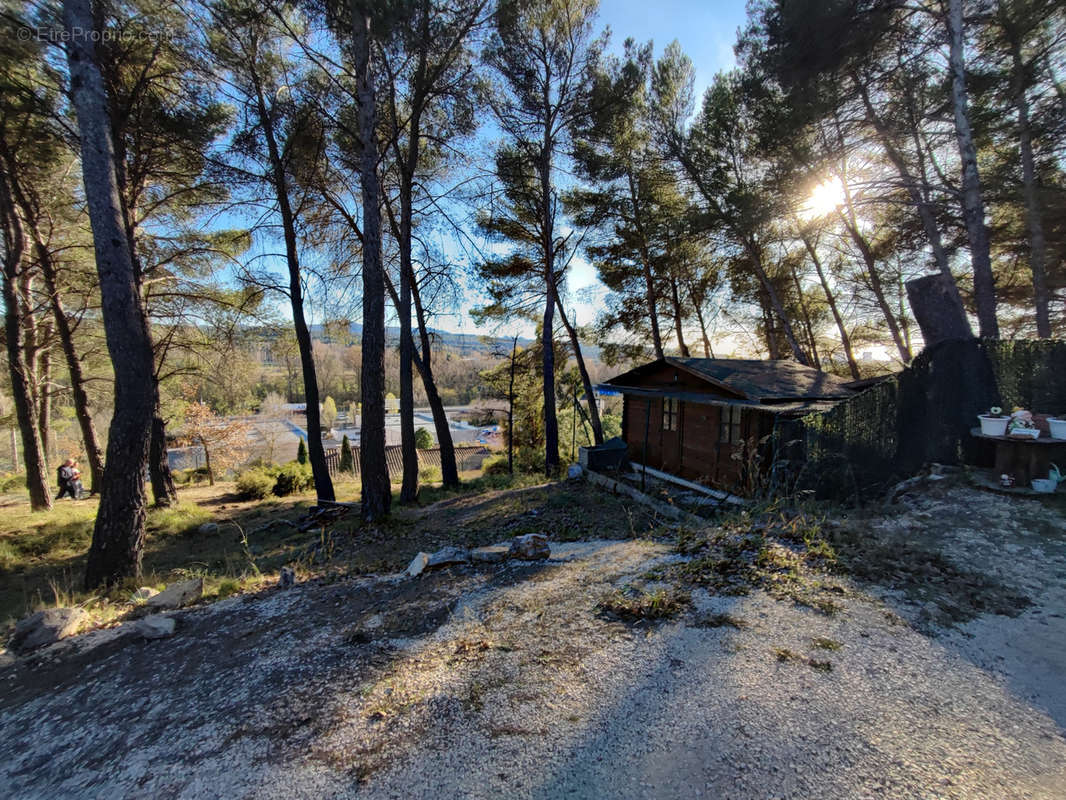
point(1058, 428)
point(993, 426)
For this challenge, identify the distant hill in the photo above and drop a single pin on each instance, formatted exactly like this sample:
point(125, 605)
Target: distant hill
point(463, 343)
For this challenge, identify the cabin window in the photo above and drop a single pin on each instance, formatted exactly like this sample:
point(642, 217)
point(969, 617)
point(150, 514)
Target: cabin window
point(671, 411)
point(730, 428)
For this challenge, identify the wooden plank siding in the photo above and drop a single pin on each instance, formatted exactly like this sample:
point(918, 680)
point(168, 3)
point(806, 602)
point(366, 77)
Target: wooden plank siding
point(695, 450)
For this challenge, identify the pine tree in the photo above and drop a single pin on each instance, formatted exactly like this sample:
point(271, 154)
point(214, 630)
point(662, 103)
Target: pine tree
point(347, 459)
point(301, 452)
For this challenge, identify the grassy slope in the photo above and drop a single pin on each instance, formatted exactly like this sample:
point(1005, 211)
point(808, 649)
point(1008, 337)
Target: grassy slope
point(42, 556)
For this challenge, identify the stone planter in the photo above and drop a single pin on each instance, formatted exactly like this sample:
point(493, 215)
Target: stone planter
point(993, 426)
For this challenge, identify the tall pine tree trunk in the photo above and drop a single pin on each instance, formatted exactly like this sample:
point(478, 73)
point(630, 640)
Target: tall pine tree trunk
point(918, 192)
point(697, 304)
point(645, 264)
point(547, 340)
point(679, 318)
point(873, 277)
point(376, 489)
point(44, 392)
point(160, 476)
point(448, 467)
point(973, 206)
point(118, 536)
point(94, 456)
point(14, 329)
point(808, 328)
point(1034, 217)
point(316, 453)
point(586, 382)
point(830, 298)
point(408, 450)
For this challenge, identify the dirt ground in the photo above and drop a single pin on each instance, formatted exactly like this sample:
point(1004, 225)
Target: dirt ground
point(934, 672)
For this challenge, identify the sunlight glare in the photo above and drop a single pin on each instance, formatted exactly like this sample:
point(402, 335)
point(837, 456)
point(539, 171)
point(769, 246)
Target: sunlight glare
point(824, 199)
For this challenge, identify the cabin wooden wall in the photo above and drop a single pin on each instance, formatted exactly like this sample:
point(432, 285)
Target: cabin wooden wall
point(694, 451)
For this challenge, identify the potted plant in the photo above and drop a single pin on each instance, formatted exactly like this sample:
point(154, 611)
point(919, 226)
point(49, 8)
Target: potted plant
point(1057, 427)
point(994, 423)
point(1021, 424)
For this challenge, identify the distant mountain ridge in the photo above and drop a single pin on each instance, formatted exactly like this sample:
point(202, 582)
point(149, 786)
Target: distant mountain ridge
point(464, 343)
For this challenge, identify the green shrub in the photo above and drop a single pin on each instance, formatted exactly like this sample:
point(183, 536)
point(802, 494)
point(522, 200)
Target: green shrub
point(430, 474)
point(497, 465)
point(293, 477)
point(423, 439)
point(529, 459)
point(301, 453)
point(195, 475)
point(12, 481)
point(255, 484)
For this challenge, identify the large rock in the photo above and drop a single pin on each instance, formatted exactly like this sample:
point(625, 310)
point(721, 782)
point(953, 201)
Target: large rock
point(46, 627)
point(155, 627)
point(178, 594)
point(573, 472)
point(417, 565)
point(490, 555)
point(531, 547)
point(208, 529)
point(447, 556)
point(287, 577)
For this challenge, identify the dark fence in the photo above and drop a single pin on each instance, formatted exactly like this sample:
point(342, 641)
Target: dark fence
point(924, 414)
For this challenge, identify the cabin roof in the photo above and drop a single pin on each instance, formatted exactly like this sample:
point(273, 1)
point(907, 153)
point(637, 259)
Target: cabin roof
point(762, 382)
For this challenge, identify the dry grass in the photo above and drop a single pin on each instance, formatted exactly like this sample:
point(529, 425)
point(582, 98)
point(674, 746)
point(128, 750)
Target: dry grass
point(633, 604)
point(42, 555)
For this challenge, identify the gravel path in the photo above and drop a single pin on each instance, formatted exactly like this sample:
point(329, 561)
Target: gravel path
point(504, 682)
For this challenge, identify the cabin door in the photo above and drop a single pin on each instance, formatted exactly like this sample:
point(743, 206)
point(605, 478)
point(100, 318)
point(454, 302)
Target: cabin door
point(672, 432)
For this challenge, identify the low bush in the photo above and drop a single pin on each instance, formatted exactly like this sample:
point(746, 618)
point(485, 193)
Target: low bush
point(194, 475)
point(255, 484)
point(292, 478)
point(497, 465)
point(12, 482)
point(529, 459)
point(430, 474)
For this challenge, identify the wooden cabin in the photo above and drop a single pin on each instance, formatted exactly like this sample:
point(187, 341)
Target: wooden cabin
point(689, 416)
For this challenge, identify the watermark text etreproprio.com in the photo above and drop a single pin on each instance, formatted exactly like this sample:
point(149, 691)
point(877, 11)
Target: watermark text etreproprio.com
point(45, 33)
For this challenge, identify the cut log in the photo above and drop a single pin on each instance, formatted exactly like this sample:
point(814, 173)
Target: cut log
point(937, 309)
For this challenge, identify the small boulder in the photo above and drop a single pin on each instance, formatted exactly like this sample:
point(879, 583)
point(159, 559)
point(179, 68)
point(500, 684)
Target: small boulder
point(417, 565)
point(287, 577)
point(490, 555)
point(574, 471)
point(143, 594)
point(531, 547)
point(155, 627)
point(447, 556)
point(46, 627)
point(208, 529)
point(178, 594)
